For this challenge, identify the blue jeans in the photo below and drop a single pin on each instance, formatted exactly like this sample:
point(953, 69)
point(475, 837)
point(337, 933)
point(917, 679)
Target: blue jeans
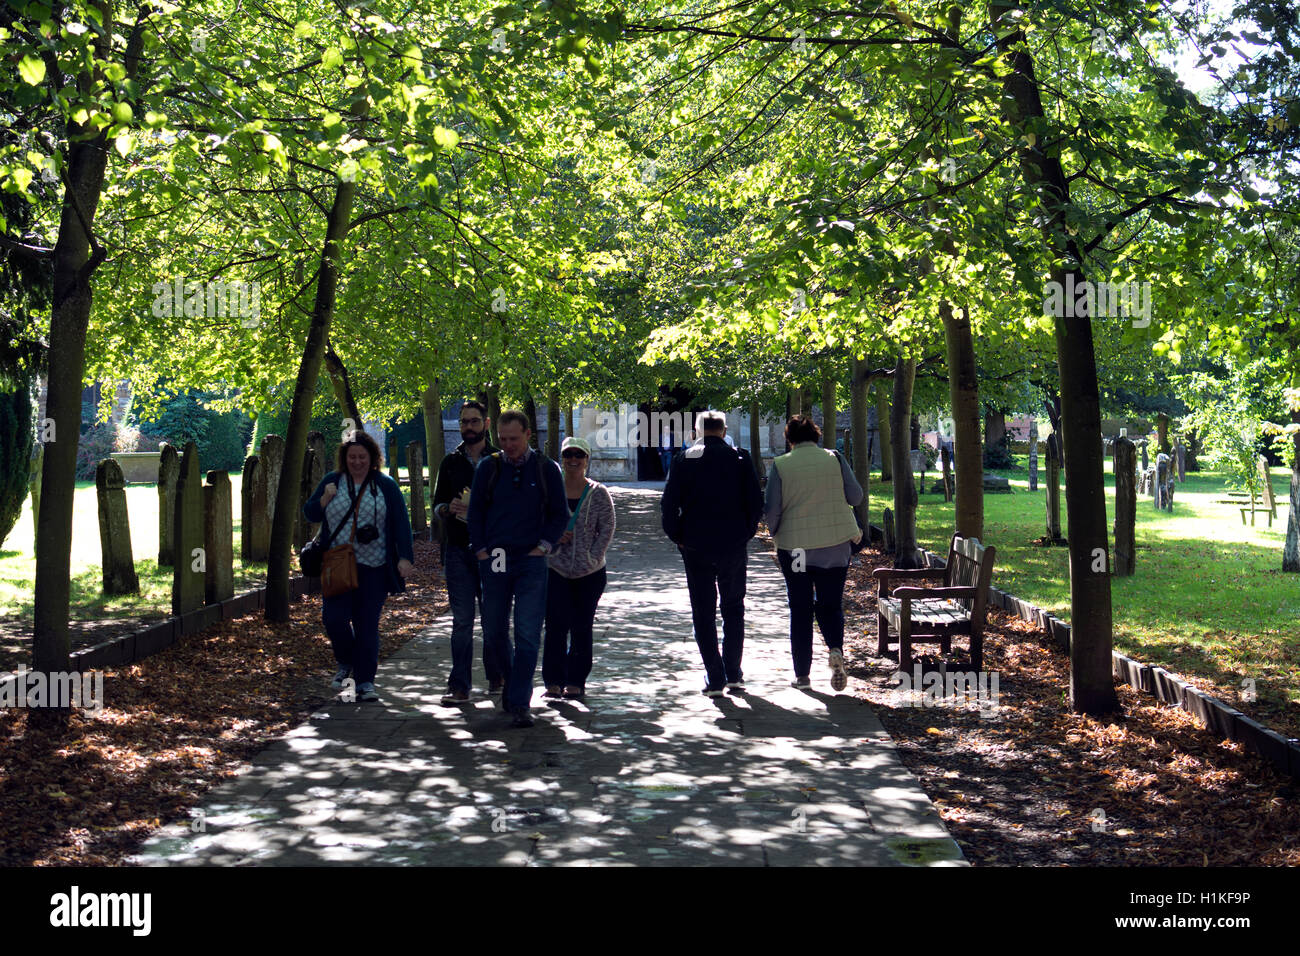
point(523, 581)
point(709, 577)
point(352, 623)
point(665, 459)
point(464, 592)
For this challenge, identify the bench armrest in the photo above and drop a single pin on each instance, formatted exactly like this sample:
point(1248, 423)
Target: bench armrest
point(953, 592)
point(884, 574)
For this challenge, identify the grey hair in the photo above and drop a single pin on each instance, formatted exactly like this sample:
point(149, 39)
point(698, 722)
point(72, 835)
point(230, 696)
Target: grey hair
point(710, 421)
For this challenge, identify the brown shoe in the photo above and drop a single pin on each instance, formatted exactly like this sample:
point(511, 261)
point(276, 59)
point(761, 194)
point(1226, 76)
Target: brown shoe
point(454, 697)
point(553, 691)
point(574, 693)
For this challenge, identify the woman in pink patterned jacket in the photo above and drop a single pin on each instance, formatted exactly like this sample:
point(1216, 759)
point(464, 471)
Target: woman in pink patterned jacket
point(577, 576)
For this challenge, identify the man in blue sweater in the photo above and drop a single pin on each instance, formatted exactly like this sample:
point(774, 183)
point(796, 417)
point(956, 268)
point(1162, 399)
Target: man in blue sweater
point(517, 513)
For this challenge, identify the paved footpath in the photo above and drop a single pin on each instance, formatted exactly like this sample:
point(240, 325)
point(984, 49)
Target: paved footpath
point(647, 771)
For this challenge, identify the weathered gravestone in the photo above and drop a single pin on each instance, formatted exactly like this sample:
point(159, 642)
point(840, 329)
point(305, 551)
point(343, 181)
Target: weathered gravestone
point(313, 470)
point(169, 469)
point(997, 484)
point(1125, 507)
point(946, 459)
point(114, 530)
point(887, 520)
point(190, 569)
point(218, 539)
point(1147, 481)
point(1164, 485)
point(1033, 455)
point(255, 529)
point(272, 455)
point(415, 471)
point(1146, 463)
point(1180, 460)
point(1053, 491)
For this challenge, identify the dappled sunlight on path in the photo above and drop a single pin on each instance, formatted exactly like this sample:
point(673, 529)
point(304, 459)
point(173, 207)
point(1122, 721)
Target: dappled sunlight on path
point(647, 770)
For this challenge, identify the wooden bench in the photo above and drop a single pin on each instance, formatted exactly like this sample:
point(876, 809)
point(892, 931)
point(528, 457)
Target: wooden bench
point(934, 615)
point(1263, 501)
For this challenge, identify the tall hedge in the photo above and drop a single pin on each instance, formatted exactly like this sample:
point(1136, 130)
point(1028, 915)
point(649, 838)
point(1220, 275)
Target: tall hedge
point(15, 454)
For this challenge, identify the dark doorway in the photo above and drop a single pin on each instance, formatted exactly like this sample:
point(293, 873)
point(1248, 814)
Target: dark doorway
point(649, 460)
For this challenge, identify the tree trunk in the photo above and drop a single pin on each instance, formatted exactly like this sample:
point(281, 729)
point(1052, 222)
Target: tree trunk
point(805, 401)
point(1162, 433)
point(313, 353)
point(1291, 549)
point(435, 443)
point(858, 431)
point(756, 440)
point(1052, 403)
point(995, 427)
point(435, 439)
point(494, 409)
point(1092, 687)
point(905, 552)
point(1125, 507)
point(530, 409)
point(828, 407)
point(553, 424)
point(886, 433)
point(568, 418)
point(964, 396)
point(73, 265)
point(342, 386)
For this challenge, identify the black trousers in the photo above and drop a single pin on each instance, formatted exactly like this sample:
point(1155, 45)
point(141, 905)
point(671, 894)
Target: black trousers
point(813, 592)
point(709, 577)
point(570, 622)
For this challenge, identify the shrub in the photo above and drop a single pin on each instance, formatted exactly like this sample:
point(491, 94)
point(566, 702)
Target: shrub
point(15, 454)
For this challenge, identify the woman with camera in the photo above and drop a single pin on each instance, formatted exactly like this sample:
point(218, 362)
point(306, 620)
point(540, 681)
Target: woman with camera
point(358, 503)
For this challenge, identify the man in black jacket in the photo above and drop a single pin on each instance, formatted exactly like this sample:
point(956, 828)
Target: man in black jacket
point(711, 506)
point(460, 567)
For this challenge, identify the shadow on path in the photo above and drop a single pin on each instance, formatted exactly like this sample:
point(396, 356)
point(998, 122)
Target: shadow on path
point(646, 770)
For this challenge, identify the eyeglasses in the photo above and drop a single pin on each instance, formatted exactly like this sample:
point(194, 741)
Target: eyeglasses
point(573, 453)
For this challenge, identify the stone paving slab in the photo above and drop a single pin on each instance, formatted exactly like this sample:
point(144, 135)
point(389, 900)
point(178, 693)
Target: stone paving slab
point(645, 772)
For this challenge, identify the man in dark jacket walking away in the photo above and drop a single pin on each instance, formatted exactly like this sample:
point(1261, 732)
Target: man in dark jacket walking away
point(711, 506)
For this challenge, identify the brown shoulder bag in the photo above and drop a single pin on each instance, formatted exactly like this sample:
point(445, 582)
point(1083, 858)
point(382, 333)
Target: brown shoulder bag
point(339, 565)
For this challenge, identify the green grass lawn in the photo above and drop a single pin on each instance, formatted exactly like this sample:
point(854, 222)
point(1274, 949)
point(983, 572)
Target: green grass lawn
point(18, 560)
point(1208, 596)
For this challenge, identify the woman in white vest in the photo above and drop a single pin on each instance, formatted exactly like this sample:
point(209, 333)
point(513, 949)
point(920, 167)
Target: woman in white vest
point(810, 497)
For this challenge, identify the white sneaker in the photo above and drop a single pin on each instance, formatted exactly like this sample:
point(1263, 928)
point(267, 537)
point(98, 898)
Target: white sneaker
point(839, 675)
point(801, 683)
